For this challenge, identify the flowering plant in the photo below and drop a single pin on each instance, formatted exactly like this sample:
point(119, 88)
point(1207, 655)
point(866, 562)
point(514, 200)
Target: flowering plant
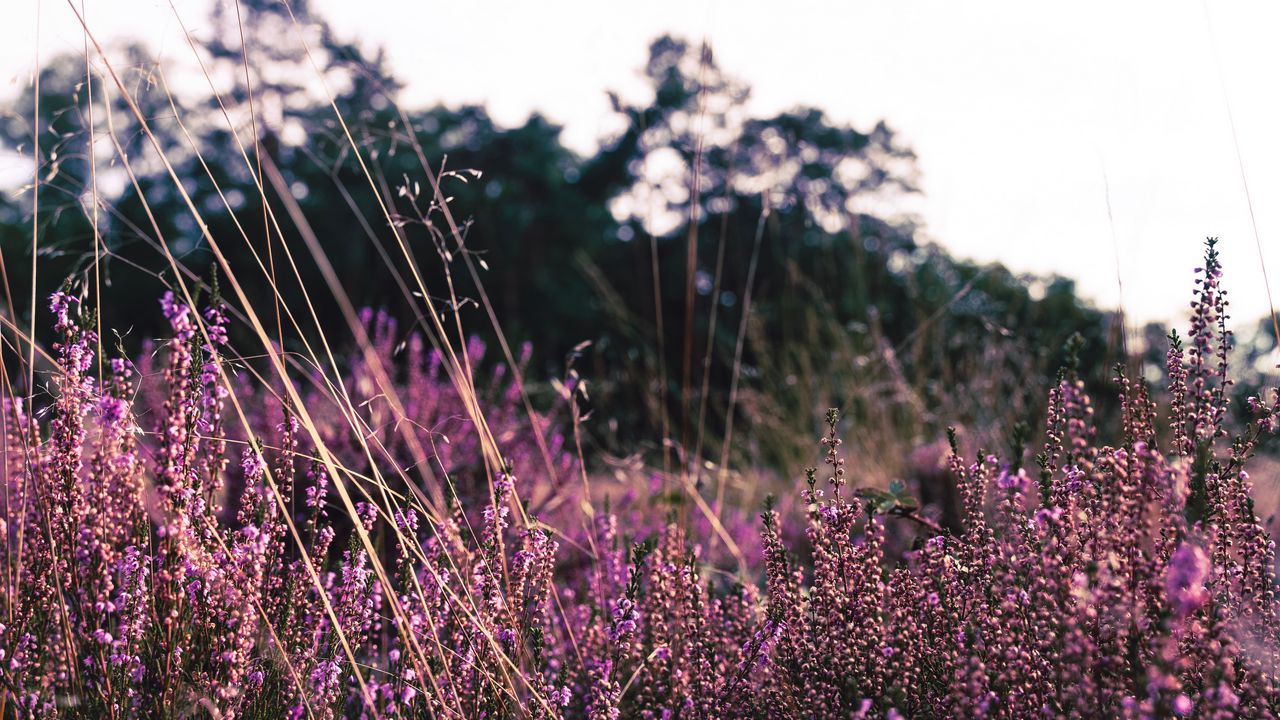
point(146, 575)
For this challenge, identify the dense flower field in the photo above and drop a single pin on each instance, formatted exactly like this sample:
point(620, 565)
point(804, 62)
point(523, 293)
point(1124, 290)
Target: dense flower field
point(182, 540)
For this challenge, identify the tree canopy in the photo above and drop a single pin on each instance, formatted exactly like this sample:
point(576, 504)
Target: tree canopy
point(647, 249)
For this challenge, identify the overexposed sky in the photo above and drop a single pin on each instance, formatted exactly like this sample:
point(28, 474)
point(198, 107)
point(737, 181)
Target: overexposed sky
point(1022, 114)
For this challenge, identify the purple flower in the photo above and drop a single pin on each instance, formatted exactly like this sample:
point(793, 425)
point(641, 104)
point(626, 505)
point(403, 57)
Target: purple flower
point(1185, 577)
point(252, 464)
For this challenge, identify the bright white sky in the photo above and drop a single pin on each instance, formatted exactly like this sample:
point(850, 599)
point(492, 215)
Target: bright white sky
point(1022, 116)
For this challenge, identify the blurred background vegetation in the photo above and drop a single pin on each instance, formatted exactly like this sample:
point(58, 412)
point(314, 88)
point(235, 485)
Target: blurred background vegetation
point(635, 263)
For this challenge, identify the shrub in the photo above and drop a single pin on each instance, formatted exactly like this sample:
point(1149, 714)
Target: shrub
point(146, 575)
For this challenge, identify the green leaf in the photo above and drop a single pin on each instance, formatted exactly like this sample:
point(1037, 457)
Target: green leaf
point(875, 495)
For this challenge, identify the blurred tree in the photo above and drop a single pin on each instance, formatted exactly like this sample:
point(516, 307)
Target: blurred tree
point(845, 298)
point(849, 307)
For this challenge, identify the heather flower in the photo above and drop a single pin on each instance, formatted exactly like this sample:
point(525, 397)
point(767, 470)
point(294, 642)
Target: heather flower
point(60, 303)
point(625, 620)
point(560, 697)
point(252, 465)
point(1013, 480)
point(1134, 579)
point(1187, 572)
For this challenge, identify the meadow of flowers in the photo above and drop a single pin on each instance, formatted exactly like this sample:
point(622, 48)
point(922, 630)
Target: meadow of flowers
point(186, 536)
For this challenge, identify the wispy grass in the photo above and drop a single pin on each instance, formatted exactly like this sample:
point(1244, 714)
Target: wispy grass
point(149, 574)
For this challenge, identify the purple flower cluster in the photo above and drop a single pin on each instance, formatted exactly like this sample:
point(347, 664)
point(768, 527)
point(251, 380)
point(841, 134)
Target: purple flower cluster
point(147, 575)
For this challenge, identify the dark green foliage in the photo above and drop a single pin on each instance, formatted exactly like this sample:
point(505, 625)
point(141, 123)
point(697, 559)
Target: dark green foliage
point(559, 266)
